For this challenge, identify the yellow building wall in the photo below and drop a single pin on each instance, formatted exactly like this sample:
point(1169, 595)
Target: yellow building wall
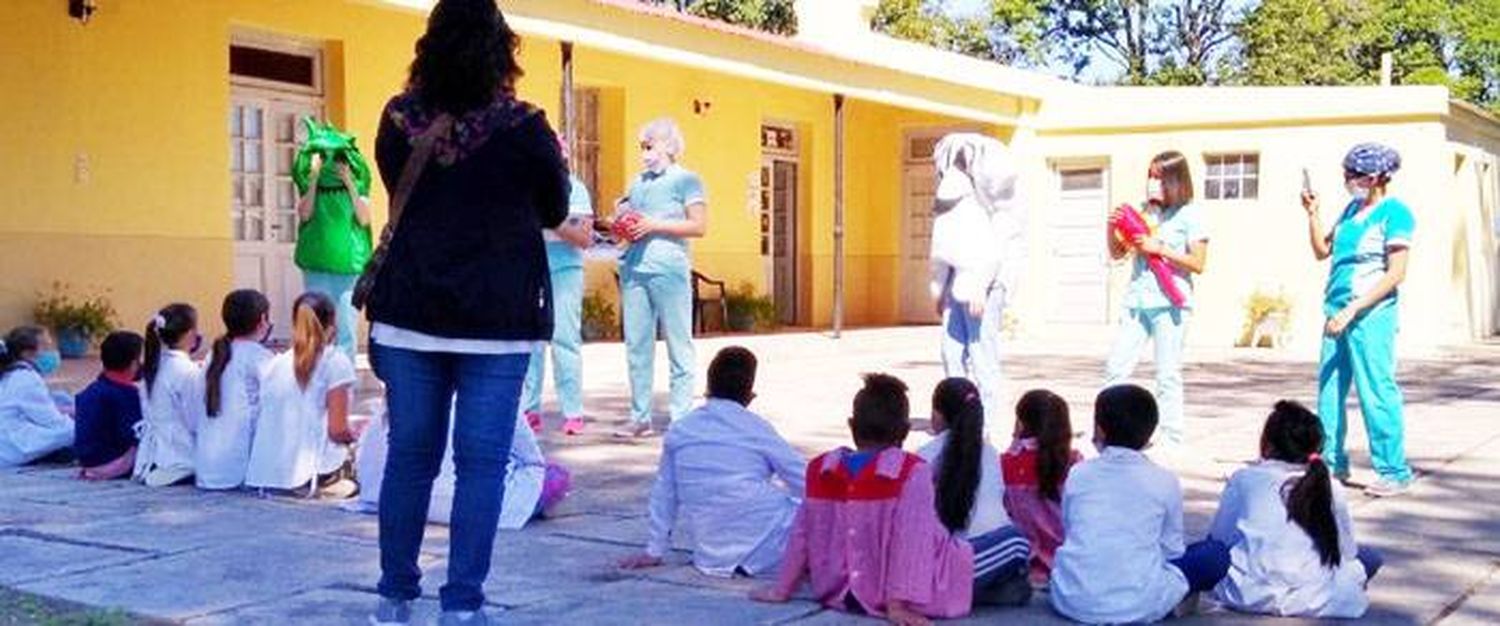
point(1263, 244)
point(116, 162)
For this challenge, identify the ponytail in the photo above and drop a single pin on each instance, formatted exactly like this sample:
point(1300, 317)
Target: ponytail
point(242, 313)
point(164, 330)
point(1294, 434)
point(958, 477)
point(1044, 416)
point(312, 315)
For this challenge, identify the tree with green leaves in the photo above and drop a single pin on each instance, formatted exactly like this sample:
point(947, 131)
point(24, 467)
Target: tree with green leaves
point(1340, 42)
point(997, 36)
point(772, 16)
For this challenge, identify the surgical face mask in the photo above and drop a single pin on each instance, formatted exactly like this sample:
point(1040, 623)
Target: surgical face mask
point(266, 337)
point(1358, 191)
point(47, 362)
point(1154, 190)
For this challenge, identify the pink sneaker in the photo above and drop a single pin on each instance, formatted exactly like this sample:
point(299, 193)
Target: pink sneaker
point(573, 426)
point(534, 420)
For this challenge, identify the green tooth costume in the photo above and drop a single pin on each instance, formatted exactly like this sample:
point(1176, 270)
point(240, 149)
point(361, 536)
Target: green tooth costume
point(333, 241)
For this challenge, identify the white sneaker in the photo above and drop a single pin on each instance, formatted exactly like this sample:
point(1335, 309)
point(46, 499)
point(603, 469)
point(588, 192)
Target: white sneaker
point(463, 618)
point(391, 612)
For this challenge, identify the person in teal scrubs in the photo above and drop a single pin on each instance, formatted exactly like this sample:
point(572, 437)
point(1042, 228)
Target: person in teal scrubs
point(656, 273)
point(1369, 246)
point(565, 246)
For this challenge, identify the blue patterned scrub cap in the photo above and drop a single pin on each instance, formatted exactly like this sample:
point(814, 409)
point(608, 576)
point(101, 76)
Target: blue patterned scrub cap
point(1371, 159)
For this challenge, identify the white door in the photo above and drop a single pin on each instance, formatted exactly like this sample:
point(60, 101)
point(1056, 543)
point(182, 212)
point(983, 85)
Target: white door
point(919, 187)
point(264, 131)
point(1080, 258)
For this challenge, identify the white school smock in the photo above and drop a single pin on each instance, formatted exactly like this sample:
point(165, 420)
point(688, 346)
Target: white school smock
point(291, 445)
point(715, 480)
point(525, 473)
point(223, 448)
point(988, 512)
point(172, 408)
point(1122, 522)
point(1274, 566)
point(31, 426)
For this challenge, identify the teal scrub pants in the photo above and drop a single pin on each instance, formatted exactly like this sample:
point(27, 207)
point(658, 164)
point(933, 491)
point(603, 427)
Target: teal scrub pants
point(1166, 328)
point(567, 340)
point(1364, 356)
point(339, 288)
point(649, 300)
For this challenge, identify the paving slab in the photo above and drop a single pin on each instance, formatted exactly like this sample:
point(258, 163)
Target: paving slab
point(643, 603)
point(29, 557)
point(200, 582)
point(320, 607)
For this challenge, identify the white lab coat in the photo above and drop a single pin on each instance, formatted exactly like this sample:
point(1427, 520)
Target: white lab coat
point(1274, 566)
point(717, 480)
point(291, 445)
point(1122, 516)
point(31, 426)
point(223, 448)
point(524, 476)
point(172, 408)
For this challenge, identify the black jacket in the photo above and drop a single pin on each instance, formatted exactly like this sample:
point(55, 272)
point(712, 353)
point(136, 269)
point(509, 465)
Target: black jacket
point(467, 260)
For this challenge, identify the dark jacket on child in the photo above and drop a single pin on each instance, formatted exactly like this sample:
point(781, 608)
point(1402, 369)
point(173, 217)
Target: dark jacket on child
point(105, 415)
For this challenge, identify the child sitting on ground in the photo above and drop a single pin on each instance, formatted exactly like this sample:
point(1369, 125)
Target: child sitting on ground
point(966, 469)
point(232, 391)
point(717, 479)
point(1122, 559)
point(1035, 469)
point(1288, 529)
point(172, 385)
point(108, 410)
point(303, 433)
point(868, 535)
point(533, 486)
point(32, 427)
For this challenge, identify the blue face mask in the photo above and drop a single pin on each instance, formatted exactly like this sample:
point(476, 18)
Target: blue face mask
point(47, 362)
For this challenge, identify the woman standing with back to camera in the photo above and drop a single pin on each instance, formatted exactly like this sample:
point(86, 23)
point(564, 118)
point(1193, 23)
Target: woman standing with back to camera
point(462, 295)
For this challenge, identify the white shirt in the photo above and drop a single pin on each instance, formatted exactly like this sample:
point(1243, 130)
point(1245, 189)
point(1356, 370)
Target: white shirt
point(223, 449)
point(525, 474)
point(715, 481)
point(291, 445)
point(172, 409)
point(1274, 566)
point(397, 337)
point(1122, 521)
point(988, 513)
point(31, 427)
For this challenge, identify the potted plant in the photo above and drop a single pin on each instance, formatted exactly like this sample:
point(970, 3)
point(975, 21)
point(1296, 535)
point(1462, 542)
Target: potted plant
point(76, 322)
point(598, 318)
point(1267, 316)
point(748, 310)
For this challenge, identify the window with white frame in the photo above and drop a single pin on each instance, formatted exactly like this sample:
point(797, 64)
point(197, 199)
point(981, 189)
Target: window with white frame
point(1231, 177)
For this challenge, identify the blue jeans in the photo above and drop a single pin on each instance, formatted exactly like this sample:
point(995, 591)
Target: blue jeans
point(646, 301)
point(420, 392)
point(1364, 356)
point(1166, 327)
point(340, 288)
point(1204, 564)
point(971, 349)
point(1371, 559)
point(567, 341)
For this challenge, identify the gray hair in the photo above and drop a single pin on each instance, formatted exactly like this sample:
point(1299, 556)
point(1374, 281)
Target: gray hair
point(666, 131)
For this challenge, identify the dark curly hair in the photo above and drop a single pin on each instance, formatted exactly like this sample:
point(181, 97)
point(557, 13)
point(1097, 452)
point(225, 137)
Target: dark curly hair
point(466, 58)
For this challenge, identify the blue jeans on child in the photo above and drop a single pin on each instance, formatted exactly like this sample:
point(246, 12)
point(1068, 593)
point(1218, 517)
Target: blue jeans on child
point(646, 300)
point(971, 349)
point(1364, 356)
point(420, 392)
point(339, 288)
point(1371, 559)
point(1204, 564)
point(1166, 327)
point(567, 341)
